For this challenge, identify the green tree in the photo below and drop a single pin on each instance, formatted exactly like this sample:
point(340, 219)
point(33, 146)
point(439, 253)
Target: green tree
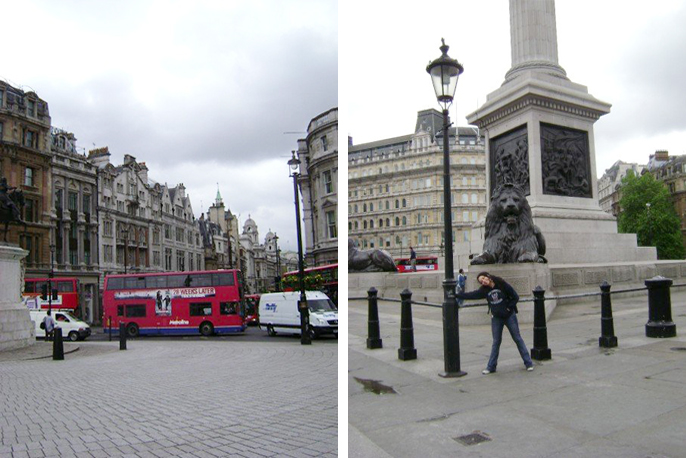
point(655, 225)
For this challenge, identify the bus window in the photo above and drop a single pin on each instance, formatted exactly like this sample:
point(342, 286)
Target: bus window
point(115, 283)
point(222, 279)
point(120, 310)
point(134, 283)
point(228, 308)
point(176, 281)
point(200, 308)
point(65, 287)
point(199, 280)
point(156, 282)
point(30, 287)
point(135, 311)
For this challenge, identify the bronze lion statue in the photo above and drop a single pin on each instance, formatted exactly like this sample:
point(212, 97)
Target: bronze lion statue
point(511, 235)
point(369, 260)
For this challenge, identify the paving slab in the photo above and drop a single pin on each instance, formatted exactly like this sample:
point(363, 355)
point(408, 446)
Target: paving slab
point(587, 401)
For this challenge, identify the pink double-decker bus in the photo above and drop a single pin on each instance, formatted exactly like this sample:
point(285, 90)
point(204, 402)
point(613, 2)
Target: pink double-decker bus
point(175, 303)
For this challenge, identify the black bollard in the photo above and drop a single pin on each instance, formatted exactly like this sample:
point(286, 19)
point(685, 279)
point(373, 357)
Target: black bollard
point(659, 308)
point(122, 335)
point(373, 333)
point(540, 351)
point(57, 345)
point(406, 351)
point(607, 328)
point(109, 325)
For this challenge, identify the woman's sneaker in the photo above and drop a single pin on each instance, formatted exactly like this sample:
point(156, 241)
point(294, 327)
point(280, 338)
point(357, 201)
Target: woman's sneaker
point(486, 372)
point(530, 368)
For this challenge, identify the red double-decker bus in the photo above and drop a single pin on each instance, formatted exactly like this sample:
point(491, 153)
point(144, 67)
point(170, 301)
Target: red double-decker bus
point(67, 293)
point(423, 263)
point(324, 278)
point(175, 303)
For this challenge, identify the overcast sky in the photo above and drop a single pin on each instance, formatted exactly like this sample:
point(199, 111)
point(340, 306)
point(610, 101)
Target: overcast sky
point(203, 91)
point(630, 54)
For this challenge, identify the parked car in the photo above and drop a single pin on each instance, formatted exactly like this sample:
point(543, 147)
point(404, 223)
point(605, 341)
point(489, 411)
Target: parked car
point(279, 313)
point(72, 328)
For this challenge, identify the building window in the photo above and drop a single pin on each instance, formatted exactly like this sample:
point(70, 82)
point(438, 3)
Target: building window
point(72, 199)
point(31, 108)
point(325, 143)
point(29, 175)
point(87, 203)
point(167, 231)
point(180, 261)
point(29, 210)
point(30, 139)
point(167, 259)
point(328, 184)
point(0, 122)
point(156, 258)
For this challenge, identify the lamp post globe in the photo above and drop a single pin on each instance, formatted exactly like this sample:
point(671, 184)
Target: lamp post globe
point(445, 72)
point(294, 164)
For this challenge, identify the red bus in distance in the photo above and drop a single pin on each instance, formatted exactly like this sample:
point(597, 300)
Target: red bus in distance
point(175, 303)
point(252, 302)
point(67, 293)
point(322, 278)
point(424, 263)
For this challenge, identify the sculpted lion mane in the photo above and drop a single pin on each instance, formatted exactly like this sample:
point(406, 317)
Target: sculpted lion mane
point(511, 235)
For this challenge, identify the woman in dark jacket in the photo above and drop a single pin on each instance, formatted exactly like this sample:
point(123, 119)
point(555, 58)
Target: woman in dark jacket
point(502, 305)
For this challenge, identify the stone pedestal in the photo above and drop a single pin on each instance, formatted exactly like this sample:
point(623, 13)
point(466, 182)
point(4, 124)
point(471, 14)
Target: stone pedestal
point(539, 135)
point(16, 328)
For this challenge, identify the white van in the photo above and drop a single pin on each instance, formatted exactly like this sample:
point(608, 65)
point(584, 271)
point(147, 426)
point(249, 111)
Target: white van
point(279, 313)
point(72, 328)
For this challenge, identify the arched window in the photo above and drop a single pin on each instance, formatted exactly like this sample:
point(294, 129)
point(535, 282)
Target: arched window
point(371, 224)
point(397, 221)
point(365, 224)
point(404, 220)
point(371, 207)
point(357, 225)
point(388, 222)
point(380, 222)
point(404, 203)
point(397, 203)
point(364, 208)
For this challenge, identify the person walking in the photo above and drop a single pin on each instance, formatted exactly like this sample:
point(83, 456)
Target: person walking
point(413, 259)
point(502, 305)
point(461, 283)
point(49, 325)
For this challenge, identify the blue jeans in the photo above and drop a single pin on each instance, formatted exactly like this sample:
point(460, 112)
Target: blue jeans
point(497, 325)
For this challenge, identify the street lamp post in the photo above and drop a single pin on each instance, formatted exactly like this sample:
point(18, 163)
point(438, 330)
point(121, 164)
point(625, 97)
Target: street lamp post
point(294, 164)
point(444, 73)
point(51, 276)
point(278, 262)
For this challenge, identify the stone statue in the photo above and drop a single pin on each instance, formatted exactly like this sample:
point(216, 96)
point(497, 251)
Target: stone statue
point(11, 200)
point(369, 260)
point(511, 235)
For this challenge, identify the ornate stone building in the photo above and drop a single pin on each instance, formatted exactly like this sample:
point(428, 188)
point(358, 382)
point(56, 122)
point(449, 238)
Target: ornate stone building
point(219, 232)
point(144, 226)
point(609, 183)
point(259, 260)
point(395, 188)
point(672, 172)
point(75, 220)
point(318, 183)
point(25, 160)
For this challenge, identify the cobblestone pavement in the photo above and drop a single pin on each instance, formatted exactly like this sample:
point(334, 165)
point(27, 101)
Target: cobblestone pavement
point(173, 398)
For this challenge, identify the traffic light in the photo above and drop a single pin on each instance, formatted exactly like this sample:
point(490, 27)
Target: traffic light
point(44, 292)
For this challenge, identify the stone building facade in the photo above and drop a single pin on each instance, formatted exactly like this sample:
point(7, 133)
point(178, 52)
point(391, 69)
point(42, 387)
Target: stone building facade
point(25, 160)
point(609, 183)
point(74, 219)
point(672, 173)
point(144, 226)
point(395, 188)
point(318, 182)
